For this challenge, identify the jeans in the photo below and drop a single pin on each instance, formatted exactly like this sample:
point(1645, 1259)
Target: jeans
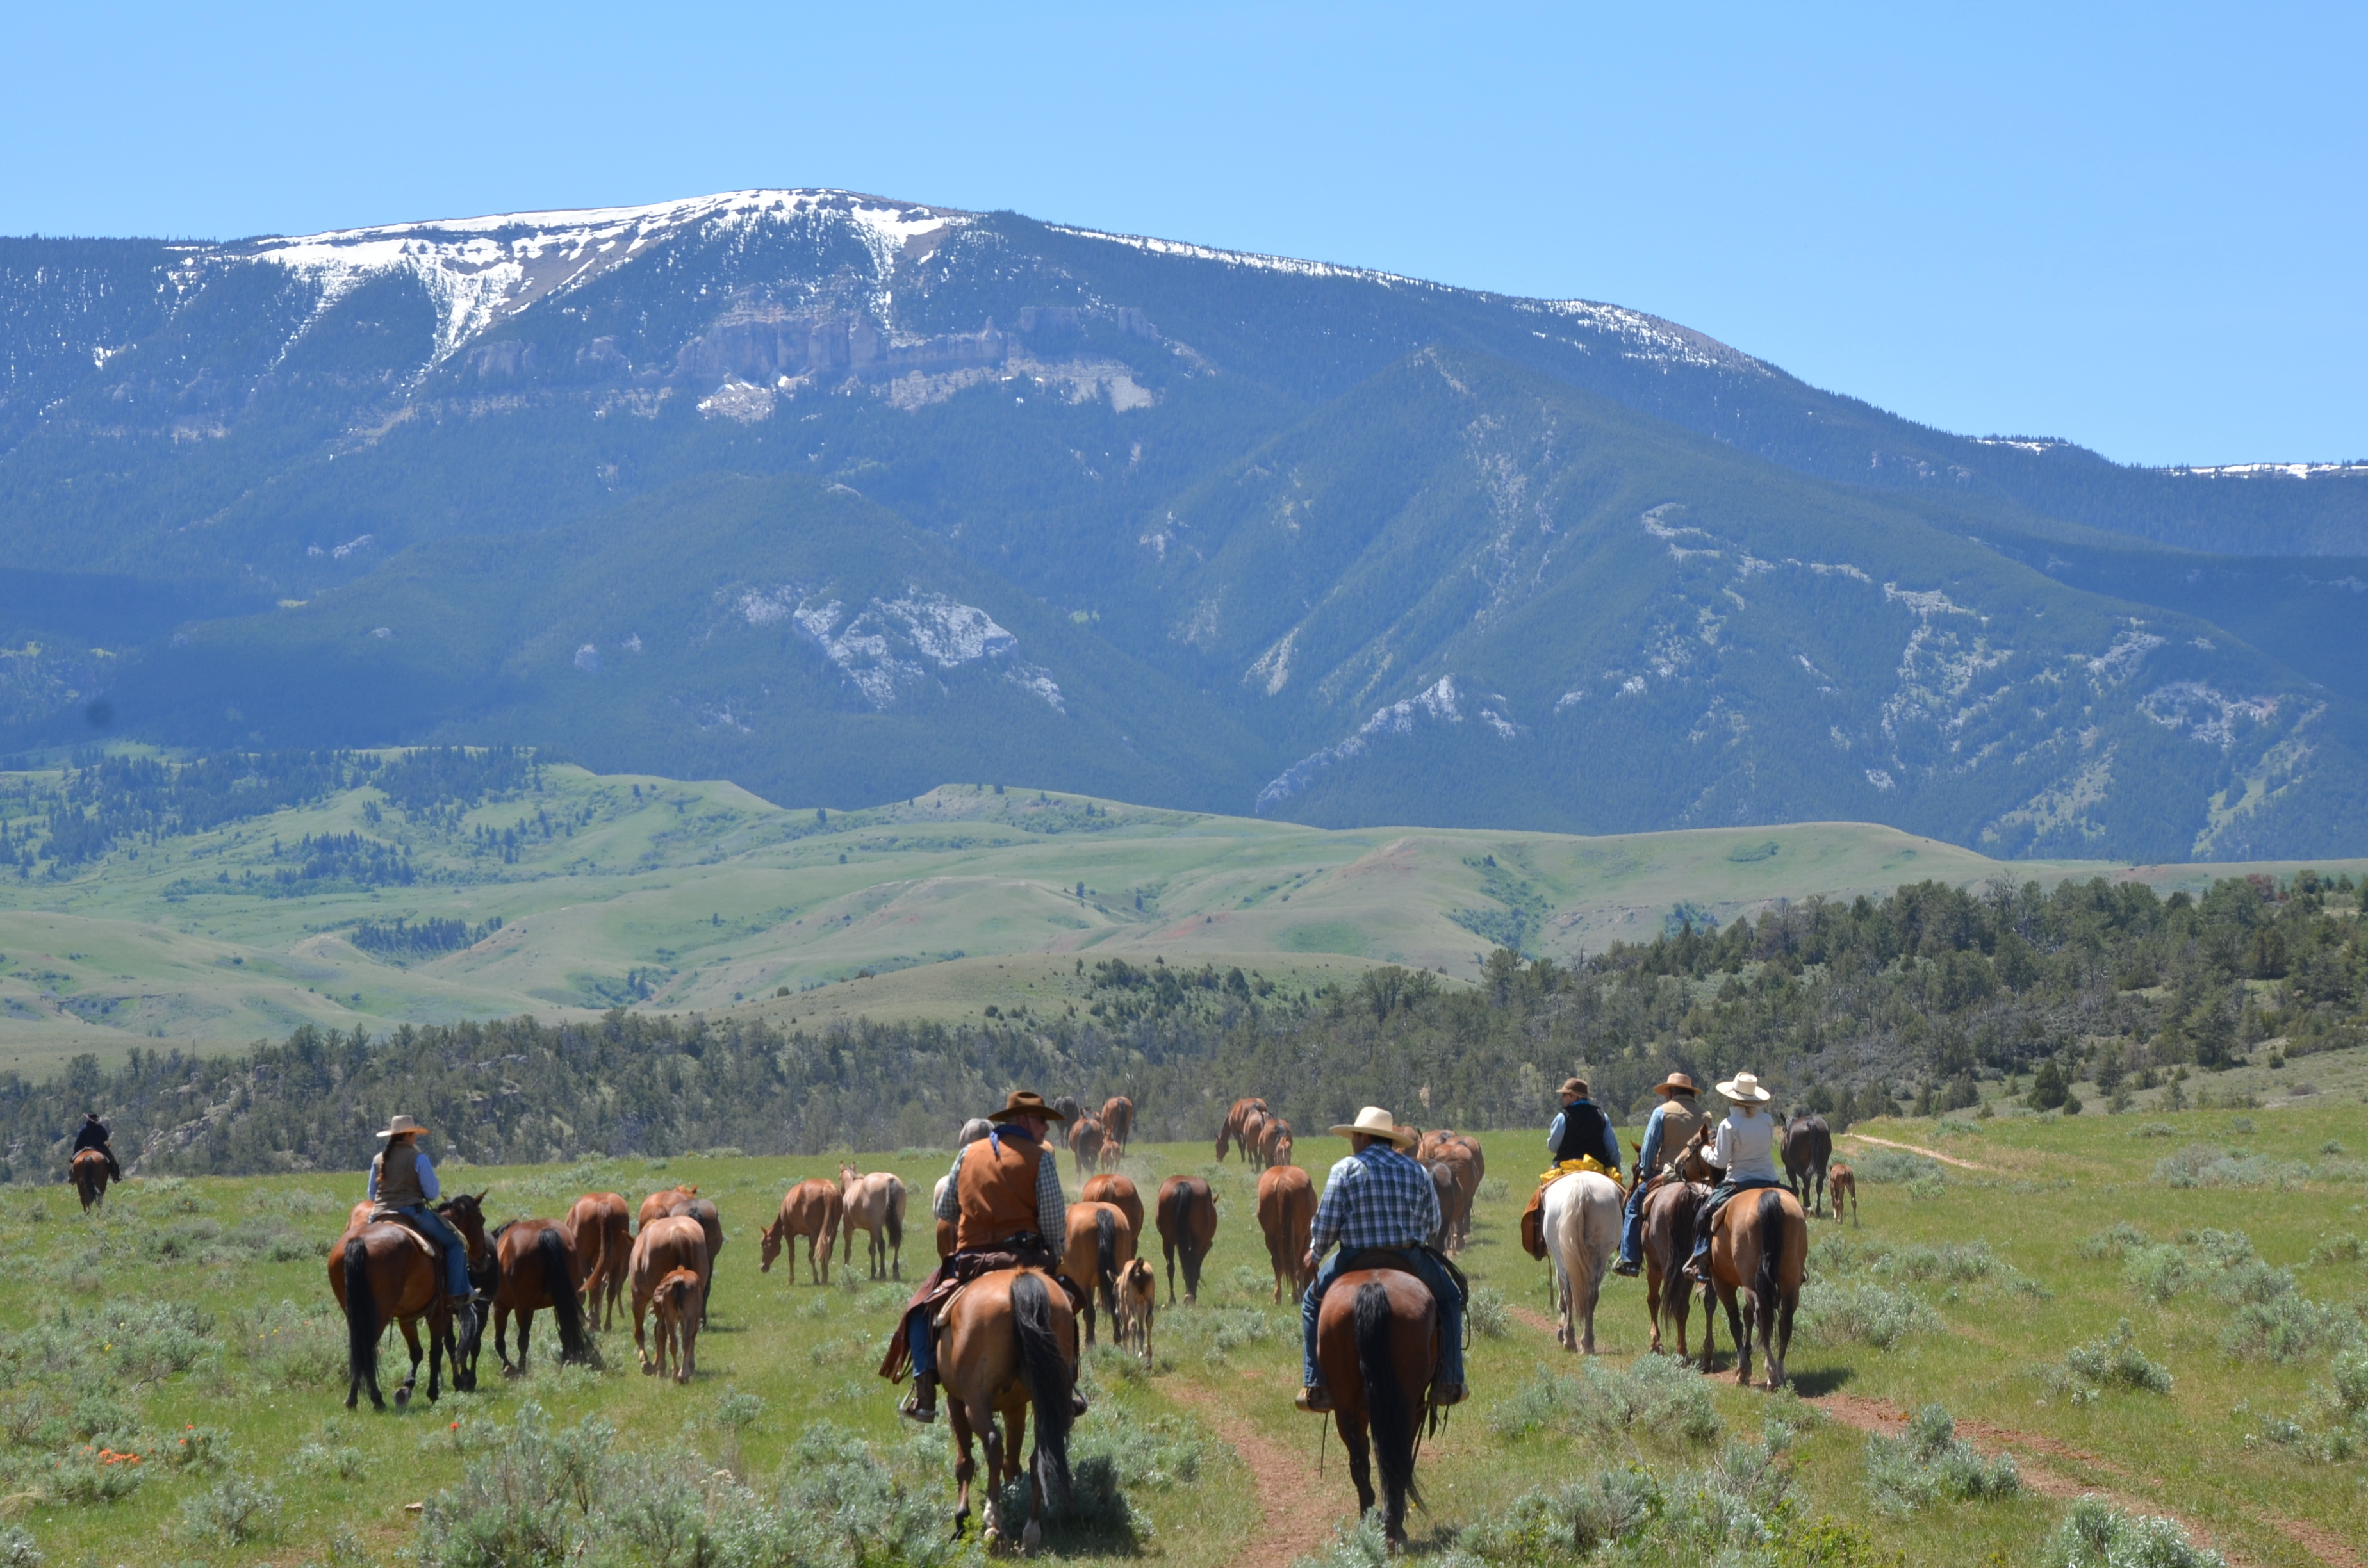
point(921, 1340)
point(454, 1250)
point(1716, 1201)
point(1424, 1267)
point(1632, 1229)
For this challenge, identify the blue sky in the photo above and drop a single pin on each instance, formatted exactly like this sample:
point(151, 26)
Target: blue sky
point(2139, 227)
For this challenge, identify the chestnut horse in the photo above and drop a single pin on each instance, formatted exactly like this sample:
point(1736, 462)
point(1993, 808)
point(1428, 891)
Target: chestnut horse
point(658, 1205)
point(678, 1300)
point(1008, 1342)
point(1118, 1123)
point(1758, 1251)
point(538, 1269)
point(1115, 1189)
point(383, 1272)
point(1286, 1212)
point(1138, 1301)
point(1254, 1128)
point(1377, 1344)
point(1098, 1245)
point(1274, 1143)
point(1187, 1218)
point(665, 1245)
point(873, 1204)
point(89, 1169)
point(810, 1209)
point(1231, 1132)
point(1842, 1182)
point(599, 1232)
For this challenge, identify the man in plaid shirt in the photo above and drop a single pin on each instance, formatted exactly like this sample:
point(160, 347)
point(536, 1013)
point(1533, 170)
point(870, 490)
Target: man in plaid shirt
point(1377, 1199)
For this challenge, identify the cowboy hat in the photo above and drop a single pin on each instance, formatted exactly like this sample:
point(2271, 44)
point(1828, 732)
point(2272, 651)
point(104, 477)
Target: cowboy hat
point(1374, 1122)
point(1574, 1086)
point(1025, 1102)
point(1675, 1083)
point(1743, 1086)
point(397, 1126)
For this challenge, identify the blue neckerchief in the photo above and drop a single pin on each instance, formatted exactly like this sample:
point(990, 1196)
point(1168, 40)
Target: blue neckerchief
point(996, 1134)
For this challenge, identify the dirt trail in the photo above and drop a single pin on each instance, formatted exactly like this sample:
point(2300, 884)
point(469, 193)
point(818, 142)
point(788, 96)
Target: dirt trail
point(1298, 1518)
point(1919, 1149)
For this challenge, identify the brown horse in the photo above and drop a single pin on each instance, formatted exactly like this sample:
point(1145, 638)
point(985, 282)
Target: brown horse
point(1138, 1301)
point(1455, 1162)
point(538, 1270)
point(1008, 1343)
point(810, 1209)
point(1098, 1245)
point(665, 1245)
point(385, 1273)
point(658, 1205)
point(1231, 1132)
point(89, 1169)
point(1086, 1141)
point(1187, 1217)
point(678, 1299)
point(873, 1204)
point(1254, 1128)
point(1274, 1143)
point(1377, 1344)
point(1286, 1212)
point(1118, 1123)
point(1759, 1251)
point(1809, 1150)
point(1112, 1188)
point(1668, 1216)
point(1842, 1182)
point(599, 1232)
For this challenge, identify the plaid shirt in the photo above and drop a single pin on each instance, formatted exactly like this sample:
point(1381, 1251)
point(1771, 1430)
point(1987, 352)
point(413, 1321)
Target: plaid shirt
point(1051, 1208)
point(1376, 1199)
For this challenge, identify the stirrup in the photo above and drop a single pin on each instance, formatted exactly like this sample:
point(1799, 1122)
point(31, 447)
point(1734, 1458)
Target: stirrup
point(913, 1409)
point(1315, 1399)
point(1445, 1394)
point(1627, 1270)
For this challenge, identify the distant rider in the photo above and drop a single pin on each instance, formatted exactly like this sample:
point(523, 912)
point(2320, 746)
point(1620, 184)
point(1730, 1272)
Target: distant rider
point(1377, 1199)
point(403, 1178)
point(1746, 1152)
point(1581, 1129)
point(92, 1134)
point(1672, 1126)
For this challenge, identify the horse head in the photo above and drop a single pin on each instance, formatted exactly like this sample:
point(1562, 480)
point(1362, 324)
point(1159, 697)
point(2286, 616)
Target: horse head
point(467, 1212)
point(1693, 1161)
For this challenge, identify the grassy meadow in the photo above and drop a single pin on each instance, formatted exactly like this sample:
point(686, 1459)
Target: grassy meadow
point(190, 1322)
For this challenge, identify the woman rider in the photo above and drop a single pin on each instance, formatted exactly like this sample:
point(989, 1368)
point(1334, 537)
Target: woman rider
point(403, 1178)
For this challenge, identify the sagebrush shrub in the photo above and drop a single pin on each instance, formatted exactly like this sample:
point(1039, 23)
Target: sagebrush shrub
point(2116, 1361)
point(1862, 1313)
point(1930, 1462)
point(1488, 1312)
point(2156, 1271)
point(1882, 1165)
point(2095, 1534)
point(2289, 1327)
point(2114, 1241)
point(234, 1511)
point(1658, 1393)
point(18, 1549)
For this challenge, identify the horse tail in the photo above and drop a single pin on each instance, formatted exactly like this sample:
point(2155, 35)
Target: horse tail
point(559, 1284)
point(1047, 1373)
point(1387, 1407)
point(1106, 1258)
point(362, 1326)
point(1771, 1251)
point(895, 1206)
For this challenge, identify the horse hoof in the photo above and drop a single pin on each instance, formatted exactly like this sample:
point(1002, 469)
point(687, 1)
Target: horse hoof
point(1031, 1540)
point(401, 1399)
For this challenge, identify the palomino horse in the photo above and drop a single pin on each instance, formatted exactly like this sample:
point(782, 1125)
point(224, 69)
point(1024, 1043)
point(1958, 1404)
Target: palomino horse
point(1098, 1245)
point(1086, 1141)
point(538, 1270)
point(1377, 1344)
point(1007, 1342)
point(384, 1272)
point(665, 1245)
point(1112, 1188)
point(677, 1302)
point(1842, 1182)
point(599, 1232)
point(1758, 1251)
point(1580, 1224)
point(1187, 1217)
point(811, 1209)
point(1118, 1123)
point(875, 1205)
point(1808, 1149)
point(1235, 1119)
point(89, 1169)
point(1286, 1212)
point(1138, 1300)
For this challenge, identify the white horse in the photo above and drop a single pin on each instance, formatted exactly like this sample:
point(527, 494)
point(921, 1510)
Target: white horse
point(1581, 1223)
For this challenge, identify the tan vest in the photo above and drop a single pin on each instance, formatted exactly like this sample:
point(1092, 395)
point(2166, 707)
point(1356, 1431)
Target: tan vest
point(1679, 1122)
point(996, 1190)
point(398, 1188)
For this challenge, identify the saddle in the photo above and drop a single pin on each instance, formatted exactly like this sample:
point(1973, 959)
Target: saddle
point(1533, 1234)
point(1394, 1259)
point(936, 1295)
point(381, 1214)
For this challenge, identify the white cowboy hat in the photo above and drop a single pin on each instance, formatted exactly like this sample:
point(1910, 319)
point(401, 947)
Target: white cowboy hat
point(1374, 1122)
point(1743, 1086)
point(397, 1125)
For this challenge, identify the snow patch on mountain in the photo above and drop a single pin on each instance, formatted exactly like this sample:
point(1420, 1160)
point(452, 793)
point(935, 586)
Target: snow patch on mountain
point(1442, 702)
point(1652, 339)
point(2132, 644)
point(891, 645)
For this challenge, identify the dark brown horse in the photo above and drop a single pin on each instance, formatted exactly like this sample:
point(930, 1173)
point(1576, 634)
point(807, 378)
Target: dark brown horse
point(384, 1273)
point(710, 1220)
point(1086, 1141)
point(1808, 1149)
point(1187, 1218)
point(1009, 1343)
point(1118, 1122)
point(89, 1169)
point(1759, 1251)
point(1377, 1343)
point(539, 1270)
point(599, 1232)
point(1670, 1212)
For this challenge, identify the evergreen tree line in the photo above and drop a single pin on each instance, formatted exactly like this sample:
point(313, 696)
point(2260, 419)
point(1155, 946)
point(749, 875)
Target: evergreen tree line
point(1857, 1007)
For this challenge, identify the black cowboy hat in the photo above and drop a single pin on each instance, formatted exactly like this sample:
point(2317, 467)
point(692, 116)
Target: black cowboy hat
point(1025, 1102)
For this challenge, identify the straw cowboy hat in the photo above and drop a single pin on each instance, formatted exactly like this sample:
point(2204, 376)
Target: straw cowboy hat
point(1743, 1086)
point(397, 1126)
point(1025, 1102)
point(1677, 1084)
point(1573, 1086)
point(1374, 1122)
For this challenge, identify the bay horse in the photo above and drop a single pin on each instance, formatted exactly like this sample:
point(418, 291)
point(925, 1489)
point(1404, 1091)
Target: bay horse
point(1008, 1342)
point(1254, 1128)
point(1808, 1149)
point(599, 1232)
point(1187, 1217)
point(538, 1270)
point(1112, 1188)
point(1759, 1251)
point(1098, 1245)
point(1118, 1123)
point(1274, 1143)
point(1842, 1182)
point(1231, 1132)
point(658, 1205)
point(1086, 1139)
point(678, 1300)
point(811, 1209)
point(667, 1243)
point(1449, 1194)
point(89, 1171)
point(385, 1272)
point(1286, 1212)
point(1138, 1301)
point(875, 1205)
point(1669, 1233)
point(1580, 1224)
point(1377, 1344)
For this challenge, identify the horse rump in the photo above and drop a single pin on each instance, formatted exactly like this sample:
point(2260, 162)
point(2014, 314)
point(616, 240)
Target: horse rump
point(1047, 1374)
point(1389, 1408)
point(559, 1285)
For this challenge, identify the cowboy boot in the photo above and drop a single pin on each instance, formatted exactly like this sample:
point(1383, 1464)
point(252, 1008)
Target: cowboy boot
point(921, 1404)
point(1445, 1394)
point(1315, 1399)
point(1627, 1270)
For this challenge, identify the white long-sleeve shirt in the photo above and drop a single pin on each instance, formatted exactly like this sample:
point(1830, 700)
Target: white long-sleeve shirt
point(1746, 1146)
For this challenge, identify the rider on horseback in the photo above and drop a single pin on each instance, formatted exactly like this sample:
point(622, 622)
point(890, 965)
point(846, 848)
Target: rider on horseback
point(1379, 1201)
point(1746, 1152)
point(1005, 1202)
point(1673, 1124)
point(92, 1134)
point(404, 1179)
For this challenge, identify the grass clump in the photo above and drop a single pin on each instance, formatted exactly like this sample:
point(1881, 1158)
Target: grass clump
point(2095, 1534)
point(1930, 1463)
point(2116, 1241)
point(1488, 1312)
point(1660, 1394)
point(234, 1511)
point(2113, 1361)
point(1882, 1166)
point(1863, 1312)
